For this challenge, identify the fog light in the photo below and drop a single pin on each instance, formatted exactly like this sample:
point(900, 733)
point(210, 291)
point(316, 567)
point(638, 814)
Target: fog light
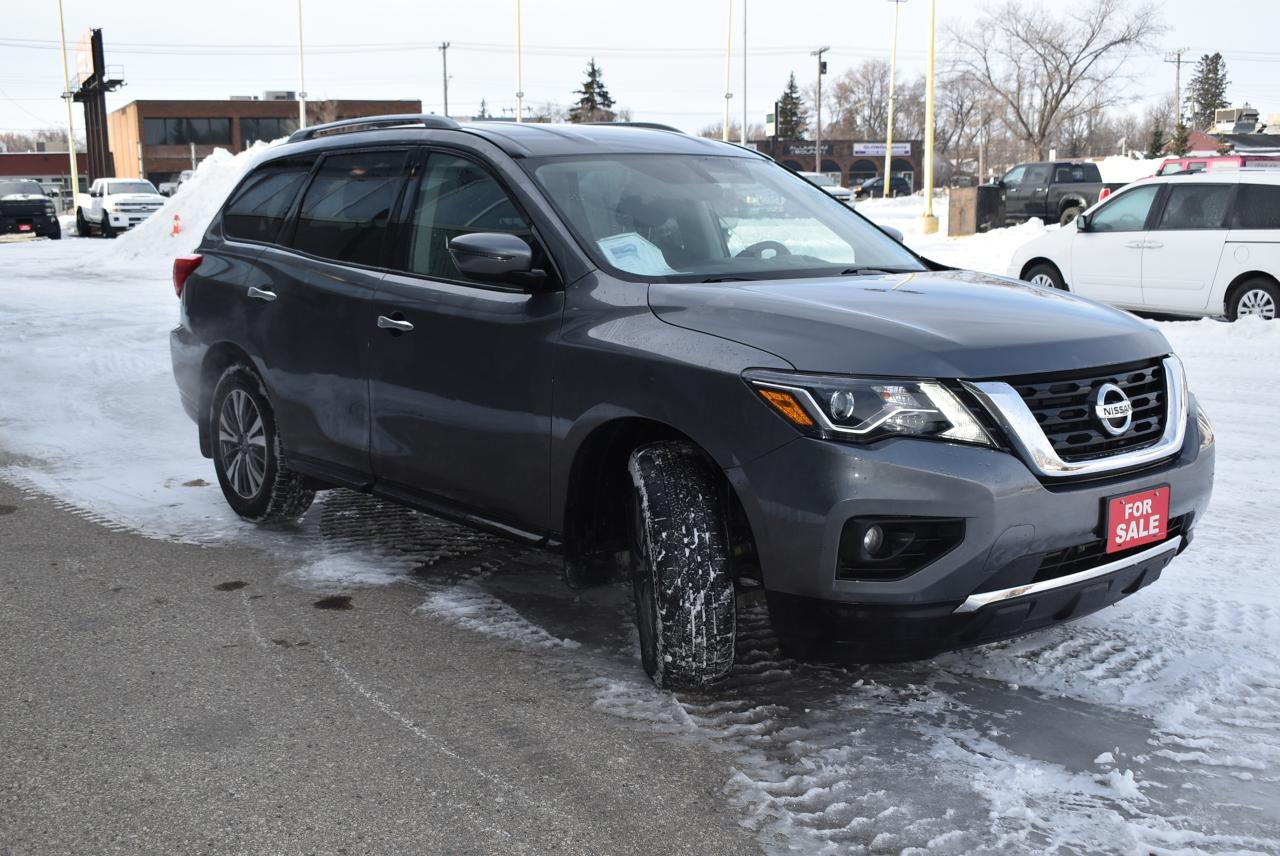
point(873, 540)
point(890, 548)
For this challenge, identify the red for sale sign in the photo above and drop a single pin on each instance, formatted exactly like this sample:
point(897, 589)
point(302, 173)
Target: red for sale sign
point(1137, 519)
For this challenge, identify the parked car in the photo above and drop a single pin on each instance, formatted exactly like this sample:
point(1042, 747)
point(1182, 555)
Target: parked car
point(1053, 191)
point(830, 185)
point(25, 209)
point(873, 188)
point(115, 205)
point(1192, 244)
point(1172, 166)
point(584, 339)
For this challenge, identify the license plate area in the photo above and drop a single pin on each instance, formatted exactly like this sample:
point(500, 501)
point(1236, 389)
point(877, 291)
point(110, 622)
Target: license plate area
point(1135, 519)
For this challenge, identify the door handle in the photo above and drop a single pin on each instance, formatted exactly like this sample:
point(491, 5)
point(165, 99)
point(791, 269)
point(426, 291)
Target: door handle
point(1154, 245)
point(396, 324)
point(1136, 245)
point(261, 294)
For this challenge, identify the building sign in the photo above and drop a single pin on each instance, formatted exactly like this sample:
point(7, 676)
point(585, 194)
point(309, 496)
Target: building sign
point(770, 124)
point(877, 149)
point(807, 148)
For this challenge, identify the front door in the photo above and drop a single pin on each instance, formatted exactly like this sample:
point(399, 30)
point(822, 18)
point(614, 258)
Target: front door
point(461, 370)
point(1015, 192)
point(1106, 259)
point(1180, 260)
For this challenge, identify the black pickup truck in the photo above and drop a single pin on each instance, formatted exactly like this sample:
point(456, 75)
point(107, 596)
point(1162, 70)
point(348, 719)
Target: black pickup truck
point(25, 209)
point(1054, 191)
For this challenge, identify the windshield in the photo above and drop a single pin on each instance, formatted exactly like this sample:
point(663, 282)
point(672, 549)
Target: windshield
point(14, 188)
point(130, 187)
point(682, 217)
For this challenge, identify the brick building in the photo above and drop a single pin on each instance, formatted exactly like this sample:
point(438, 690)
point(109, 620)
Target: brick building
point(158, 139)
point(51, 169)
point(853, 161)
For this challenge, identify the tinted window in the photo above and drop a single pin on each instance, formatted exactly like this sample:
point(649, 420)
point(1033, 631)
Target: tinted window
point(1075, 173)
point(1196, 206)
point(1257, 207)
point(1126, 212)
point(1038, 175)
point(260, 205)
point(456, 197)
point(346, 208)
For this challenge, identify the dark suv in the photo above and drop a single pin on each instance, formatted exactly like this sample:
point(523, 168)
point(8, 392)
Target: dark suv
point(669, 357)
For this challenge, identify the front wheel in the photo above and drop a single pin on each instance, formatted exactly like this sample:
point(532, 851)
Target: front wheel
point(248, 456)
point(1257, 298)
point(1045, 276)
point(680, 569)
point(82, 225)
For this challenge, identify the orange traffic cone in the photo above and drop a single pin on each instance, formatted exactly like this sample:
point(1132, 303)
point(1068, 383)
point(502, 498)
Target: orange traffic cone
point(177, 226)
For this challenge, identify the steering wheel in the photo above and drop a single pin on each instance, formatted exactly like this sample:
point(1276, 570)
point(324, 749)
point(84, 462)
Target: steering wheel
point(755, 250)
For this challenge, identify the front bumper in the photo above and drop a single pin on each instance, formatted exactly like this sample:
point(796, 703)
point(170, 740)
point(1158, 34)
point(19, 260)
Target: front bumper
point(799, 497)
point(122, 221)
point(29, 224)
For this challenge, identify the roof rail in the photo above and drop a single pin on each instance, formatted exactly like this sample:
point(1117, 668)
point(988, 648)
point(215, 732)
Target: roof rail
point(368, 123)
point(655, 126)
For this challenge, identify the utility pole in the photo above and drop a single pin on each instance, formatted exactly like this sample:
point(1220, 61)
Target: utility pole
point(728, 67)
point(444, 60)
point(519, 69)
point(302, 78)
point(929, 223)
point(69, 203)
point(743, 139)
point(893, 85)
point(817, 124)
point(1175, 57)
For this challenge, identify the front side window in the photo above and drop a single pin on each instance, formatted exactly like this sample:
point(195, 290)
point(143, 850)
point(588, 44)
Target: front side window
point(456, 197)
point(1196, 206)
point(259, 207)
point(1126, 212)
point(1170, 168)
point(1257, 207)
point(346, 208)
point(701, 217)
point(1013, 178)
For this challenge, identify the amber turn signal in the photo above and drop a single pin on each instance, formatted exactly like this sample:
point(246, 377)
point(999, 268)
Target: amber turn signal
point(785, 403)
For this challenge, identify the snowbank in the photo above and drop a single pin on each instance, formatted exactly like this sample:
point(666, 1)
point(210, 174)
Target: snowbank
point(1117, 168)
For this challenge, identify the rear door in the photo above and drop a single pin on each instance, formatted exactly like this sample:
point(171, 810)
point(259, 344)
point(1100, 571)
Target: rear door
point(313, 295)
point(1183, 248)
point(1106, 260)
point(462, 400)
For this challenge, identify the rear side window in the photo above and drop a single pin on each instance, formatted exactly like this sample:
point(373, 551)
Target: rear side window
point(345, 210)
point(1257, 207)
point(260, 205)
point(1196, 206)
point(1038, 175)
point(456, 197)
point(1075, 173)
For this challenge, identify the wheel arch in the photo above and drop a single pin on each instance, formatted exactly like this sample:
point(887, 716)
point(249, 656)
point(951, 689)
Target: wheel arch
point(217, 359)
point(1238, 283)
point(1042, 260)
point(1071, 202)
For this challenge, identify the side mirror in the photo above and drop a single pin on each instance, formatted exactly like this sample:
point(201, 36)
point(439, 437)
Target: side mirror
point(896, 234)
point(1082, 222)
point(492, 256)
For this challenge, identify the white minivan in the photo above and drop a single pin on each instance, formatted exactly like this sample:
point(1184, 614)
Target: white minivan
point(1201, 244)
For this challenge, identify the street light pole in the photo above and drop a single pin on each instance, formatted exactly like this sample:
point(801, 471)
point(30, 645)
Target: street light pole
point(519, 69)
point(444, 60)
point(71, 133)
point(743, 138)
point(893, 72)
point(817, 124)
point(728, 68)
point(929, 223)
point(302, 78)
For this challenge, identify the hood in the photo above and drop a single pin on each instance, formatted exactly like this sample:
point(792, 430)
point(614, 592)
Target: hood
point(948, 324)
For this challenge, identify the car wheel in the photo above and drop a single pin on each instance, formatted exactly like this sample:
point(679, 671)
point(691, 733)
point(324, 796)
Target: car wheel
point(248, 455)
point(82, 225)
point(1069, 214)
point(680, 570)
point(106, 229)
point(1257, 298)
point(1046, 276)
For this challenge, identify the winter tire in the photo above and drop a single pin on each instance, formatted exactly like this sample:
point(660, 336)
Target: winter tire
point(680, 569)
point(82, 225)
point(1069, 214)
point(1045, 276)
point(1257, 298)
point(248, 455)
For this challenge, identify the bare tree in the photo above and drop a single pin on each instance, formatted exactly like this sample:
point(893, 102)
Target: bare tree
point(856, 105)
point(1047, 69)
point(713, 131)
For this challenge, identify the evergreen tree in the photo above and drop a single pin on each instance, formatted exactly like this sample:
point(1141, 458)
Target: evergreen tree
point(793, 116)
point(1207, 90)
point(595, 105)
point(1181, 142)
point(484, 110)
point(1155, 143)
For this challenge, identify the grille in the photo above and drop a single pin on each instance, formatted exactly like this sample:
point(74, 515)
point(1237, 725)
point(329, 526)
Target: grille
point(1082, 557)
point(1063, 405)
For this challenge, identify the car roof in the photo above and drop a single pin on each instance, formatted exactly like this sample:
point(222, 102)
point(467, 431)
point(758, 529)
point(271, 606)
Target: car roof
point(1243, 175)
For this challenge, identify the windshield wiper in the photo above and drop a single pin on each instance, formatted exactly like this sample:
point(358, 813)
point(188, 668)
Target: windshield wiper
point(855, 271)
point(728, 279)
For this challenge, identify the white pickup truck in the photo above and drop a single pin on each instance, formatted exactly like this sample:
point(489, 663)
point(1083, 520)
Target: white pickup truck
point(115, 205)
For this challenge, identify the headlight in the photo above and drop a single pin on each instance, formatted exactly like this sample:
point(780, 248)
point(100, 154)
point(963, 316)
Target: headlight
point(864, 410)
point(1205, 426)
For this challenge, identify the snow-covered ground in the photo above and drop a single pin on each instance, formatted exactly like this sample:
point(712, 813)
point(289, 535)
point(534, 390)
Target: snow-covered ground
point(1153, 727)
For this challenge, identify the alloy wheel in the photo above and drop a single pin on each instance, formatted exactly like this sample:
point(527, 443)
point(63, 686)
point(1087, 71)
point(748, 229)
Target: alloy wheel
point(242, 443)
point(1257, 302)
point(1043, 280)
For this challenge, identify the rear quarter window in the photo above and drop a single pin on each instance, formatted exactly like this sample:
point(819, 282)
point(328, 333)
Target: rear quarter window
point(260, 205)
point(1257, 207)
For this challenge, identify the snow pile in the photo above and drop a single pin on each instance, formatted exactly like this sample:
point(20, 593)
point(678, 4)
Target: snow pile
point(1118, 168)
point(196, 202)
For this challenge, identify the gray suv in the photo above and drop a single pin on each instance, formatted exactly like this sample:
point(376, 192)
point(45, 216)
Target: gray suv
point(669, 358)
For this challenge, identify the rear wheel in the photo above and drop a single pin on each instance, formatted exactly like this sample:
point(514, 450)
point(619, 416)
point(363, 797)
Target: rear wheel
point(1257, 298)
point(685, 603)
point(1046, 276)
point(1069, 214)
point(248, 456)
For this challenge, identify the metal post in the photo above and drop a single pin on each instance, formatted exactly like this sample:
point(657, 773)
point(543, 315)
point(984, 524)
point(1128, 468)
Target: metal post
point(66, 96)
point(728, 63)
point(1177, 80)
point(893, 72)
point(817, 124)
point(302, 77)
point(743, 138)
point(929, 223)
point(444, 61)
point(193, 157)
point(519, 69)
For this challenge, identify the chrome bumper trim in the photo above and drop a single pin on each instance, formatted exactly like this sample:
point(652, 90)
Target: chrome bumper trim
point(976, 601)
point(1007, 406)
